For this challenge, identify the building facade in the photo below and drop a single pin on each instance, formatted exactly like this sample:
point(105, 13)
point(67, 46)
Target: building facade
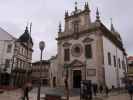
point(89, 51)
point(22, 58)
point(7, 44)
point(54, 76)
point(130, 68)
point(41, 71)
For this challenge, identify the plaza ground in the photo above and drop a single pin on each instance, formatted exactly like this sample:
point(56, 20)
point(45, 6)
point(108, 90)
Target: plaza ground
point(17, 94)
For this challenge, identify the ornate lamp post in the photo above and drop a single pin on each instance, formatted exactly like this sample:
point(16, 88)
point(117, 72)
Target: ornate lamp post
point(41, 46)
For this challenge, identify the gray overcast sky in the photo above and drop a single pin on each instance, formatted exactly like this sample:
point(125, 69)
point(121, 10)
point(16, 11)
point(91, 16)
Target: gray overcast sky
point(46, 14)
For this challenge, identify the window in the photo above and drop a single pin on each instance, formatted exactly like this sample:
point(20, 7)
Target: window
point(119, 63)
point(88, 51)
point(77, 49)
point(9, 48)
point(7, 63)
point(114, 61)
point(123, 64)
point(66, 54)
point(76, 27)
point(109, 58)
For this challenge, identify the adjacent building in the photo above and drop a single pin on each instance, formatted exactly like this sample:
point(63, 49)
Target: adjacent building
point(130, 68)
point(7, 45)
point(22, 58)
point(41, 72)
point(89, 51)
point(15, 58)
point(54, 76)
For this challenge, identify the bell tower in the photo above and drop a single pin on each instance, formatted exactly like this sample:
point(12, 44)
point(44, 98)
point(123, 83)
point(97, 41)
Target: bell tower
point(78, 20)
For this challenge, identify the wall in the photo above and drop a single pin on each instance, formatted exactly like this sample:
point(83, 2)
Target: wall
point(54, 72)
point(91, 63)
point(4, 55)
point(113, 75)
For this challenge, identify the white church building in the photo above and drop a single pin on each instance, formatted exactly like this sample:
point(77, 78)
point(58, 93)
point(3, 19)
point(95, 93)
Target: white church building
point(89, 50)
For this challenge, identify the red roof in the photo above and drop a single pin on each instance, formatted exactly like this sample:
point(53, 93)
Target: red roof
point(130, 58)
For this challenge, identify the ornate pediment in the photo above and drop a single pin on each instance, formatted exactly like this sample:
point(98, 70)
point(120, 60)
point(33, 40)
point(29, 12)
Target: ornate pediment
point(87, 40)
point(77, 63)
point(67, 44)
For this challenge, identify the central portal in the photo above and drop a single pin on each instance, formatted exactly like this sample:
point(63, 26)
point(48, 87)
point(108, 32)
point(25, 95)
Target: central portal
point(76, 78)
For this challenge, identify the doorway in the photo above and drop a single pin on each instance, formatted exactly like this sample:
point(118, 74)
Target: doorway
point(76, 78)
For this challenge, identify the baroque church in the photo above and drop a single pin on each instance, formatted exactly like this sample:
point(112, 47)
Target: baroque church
point(89, 51)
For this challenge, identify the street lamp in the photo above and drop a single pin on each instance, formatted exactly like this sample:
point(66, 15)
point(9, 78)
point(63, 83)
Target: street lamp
point(41, 46)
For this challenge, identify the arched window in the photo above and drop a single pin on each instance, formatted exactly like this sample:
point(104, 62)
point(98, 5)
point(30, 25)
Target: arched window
point(76, 27)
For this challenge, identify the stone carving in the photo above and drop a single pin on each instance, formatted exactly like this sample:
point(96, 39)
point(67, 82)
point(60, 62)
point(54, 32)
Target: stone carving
point(87, 40)
point(77, 63)
point(67, 44)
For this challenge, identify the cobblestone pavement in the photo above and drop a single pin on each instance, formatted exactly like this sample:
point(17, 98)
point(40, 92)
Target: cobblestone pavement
point(118, 97)
point(17, 94)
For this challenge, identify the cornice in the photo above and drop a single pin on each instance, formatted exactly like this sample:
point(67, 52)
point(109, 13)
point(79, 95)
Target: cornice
point(82, 33)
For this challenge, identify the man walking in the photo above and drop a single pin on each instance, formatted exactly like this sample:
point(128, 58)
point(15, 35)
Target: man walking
point(26, 90)
point(94, 87)
point(106, 90)
point(130, 89)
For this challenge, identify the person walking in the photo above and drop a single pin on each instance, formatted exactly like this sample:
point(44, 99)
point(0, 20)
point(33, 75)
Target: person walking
point(101, 89)
point(106, 90)
point(26, 92)
point(89, 90)
point(94, 87)
point(130, 89)
point(26, 89)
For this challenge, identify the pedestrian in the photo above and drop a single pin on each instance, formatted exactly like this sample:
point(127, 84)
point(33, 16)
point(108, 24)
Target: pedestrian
point(101, 88)
point(94, 86)
point(85, 94)
point(130, 89)
point(106, 90)
point(89, 90)
point(26, 89)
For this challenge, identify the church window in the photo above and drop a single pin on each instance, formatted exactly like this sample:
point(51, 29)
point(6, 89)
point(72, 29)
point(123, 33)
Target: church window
point(76, 27)
point(9, 48)
point(88, 51)
point(66, 54)
point(76, 50)
point(109, 58)
point(114, 61)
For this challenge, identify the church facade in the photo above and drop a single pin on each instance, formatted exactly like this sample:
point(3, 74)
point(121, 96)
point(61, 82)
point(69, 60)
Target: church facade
point(89, 51)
